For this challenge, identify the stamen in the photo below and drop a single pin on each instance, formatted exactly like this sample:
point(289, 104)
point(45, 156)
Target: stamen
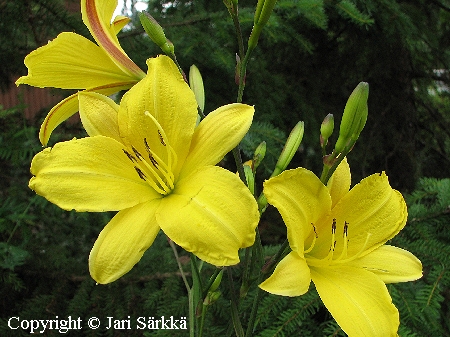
point(164, 141)
point(160, 164)
point(314, 240)
point(343, 256)
point(166, 189)
point(362, 250)
point(333, 245)
point(345, 247)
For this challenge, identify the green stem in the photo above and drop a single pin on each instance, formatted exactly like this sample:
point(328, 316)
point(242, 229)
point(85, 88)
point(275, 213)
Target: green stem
point(240, 166)
point(202, 320)
point(251, 321)
point(336, 159)
point(270, 266)
point(234, 307)
point(183, 276)
point(189, 291)
point(191, 313)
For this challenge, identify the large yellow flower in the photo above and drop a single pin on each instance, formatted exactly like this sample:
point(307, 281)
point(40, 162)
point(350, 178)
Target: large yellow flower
point(338, 241)
point(147, 159)
point(73, 62)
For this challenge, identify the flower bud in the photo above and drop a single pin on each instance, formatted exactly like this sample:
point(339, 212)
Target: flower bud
point(211, 297)
point(156, 33)
point(263, 11)
point(250, 177)
point(354, 118)
point(216, 282)
point(259, 154)
point(291, 146)
point(326, 129)
point(196, 84)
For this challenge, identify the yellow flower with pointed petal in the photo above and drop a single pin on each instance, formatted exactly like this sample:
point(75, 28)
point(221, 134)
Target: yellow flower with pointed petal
point(147, 159)
point(73, 62)
point(338, 241)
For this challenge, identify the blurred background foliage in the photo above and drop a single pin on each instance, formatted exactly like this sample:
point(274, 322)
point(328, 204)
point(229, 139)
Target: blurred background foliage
point(311, 55)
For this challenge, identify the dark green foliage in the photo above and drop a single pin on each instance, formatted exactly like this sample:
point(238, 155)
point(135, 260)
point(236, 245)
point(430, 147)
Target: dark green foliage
point(44, 272)
point(311, 55)
point(28, 24)
point(423, 304)
point(274, 138)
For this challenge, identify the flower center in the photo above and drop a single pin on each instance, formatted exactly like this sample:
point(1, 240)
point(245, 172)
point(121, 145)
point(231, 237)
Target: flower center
point(331, 258)
point(156, 170)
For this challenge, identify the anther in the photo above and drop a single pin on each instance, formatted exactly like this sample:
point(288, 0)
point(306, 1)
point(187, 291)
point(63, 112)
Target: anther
point(161, 139)
point(153, 160)
point(140, 173)
point(314, 228)
point(129, 155)
point(137, 154)
point(147, 147)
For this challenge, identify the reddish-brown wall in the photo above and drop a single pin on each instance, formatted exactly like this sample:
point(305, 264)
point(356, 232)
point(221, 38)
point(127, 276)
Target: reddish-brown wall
point(34, 99)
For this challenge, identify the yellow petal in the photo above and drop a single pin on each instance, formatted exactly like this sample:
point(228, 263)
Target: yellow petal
point(374, 213)
point(301, 199)
point(291, 277)
point(99, 115)
point(212, 214)
point(119, 22)
point(166, 96)
point(340, 181)
point(218, 134)
point(97, 15)
point(358, 300)
point(123, 241)
point(391, 264)
point(59, 64)
point(89, 174)
point(67, 107)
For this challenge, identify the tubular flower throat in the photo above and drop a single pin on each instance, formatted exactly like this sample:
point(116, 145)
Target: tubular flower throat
point(147, 159)
point(338, 241)
point(71, 61)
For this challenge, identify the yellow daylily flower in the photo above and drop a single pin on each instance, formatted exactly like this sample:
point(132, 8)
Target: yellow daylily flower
point(71, 61)
point(147, 159)
point(338, 241)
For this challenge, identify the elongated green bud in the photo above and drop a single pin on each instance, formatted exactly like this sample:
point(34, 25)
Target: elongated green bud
point(196, 84)
point(291, 146)
point(354, 117)
point(259, 154)
point(211, 297)
point(156, 33)
point(263, 11)
point(326, 129)
point(216, 282)
point(250, 177)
